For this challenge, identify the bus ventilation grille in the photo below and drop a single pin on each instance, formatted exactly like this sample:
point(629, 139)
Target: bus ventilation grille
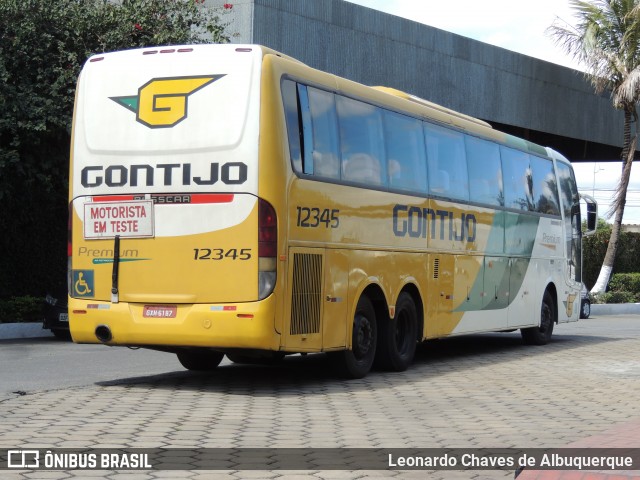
point(436, 268)
point(306, 293)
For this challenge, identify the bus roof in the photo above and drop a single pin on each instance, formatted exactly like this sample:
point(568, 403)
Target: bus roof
point(427, 103)
point(410, 104)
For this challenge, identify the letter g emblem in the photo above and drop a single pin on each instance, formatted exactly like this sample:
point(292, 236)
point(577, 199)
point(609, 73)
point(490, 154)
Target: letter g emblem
point(162, 102)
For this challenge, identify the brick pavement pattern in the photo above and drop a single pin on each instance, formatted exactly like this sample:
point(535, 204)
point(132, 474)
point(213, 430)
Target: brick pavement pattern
point(480, 391)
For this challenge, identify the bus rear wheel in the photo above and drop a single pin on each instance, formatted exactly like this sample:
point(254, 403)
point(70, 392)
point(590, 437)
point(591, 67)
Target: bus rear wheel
point(542, 334)
point(201, 360)
point(357, 362)
point(397, 339)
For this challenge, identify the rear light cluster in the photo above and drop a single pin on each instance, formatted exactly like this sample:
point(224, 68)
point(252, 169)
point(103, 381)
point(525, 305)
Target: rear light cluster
point(267, 248)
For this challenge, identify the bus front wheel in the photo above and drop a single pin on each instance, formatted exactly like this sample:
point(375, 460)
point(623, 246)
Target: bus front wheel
point(397, 339)
point(202, 360)
point(357, 362)
point(542, 334)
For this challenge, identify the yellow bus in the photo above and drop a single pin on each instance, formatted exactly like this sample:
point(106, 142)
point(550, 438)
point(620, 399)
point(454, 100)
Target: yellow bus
point(228, 199)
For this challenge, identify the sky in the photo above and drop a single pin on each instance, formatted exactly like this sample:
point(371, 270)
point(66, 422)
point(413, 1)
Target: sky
point(520, 26)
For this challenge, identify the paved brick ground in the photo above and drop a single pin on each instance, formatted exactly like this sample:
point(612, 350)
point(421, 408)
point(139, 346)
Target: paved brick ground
point(473, 392)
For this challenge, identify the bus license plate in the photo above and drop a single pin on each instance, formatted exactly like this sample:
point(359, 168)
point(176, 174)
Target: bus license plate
point(160, 311)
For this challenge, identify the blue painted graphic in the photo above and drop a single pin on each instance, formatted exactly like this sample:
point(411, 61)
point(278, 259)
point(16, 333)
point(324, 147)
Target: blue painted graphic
point(83, 283)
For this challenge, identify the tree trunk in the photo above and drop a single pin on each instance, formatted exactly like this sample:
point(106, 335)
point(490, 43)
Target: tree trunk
point(629, 148)
point(610, 256)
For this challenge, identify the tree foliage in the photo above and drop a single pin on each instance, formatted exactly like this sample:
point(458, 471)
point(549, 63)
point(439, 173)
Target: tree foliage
point(43, 45)
point(595, 248)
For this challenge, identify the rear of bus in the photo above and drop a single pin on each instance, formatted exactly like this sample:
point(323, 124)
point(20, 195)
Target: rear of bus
point(170, 244)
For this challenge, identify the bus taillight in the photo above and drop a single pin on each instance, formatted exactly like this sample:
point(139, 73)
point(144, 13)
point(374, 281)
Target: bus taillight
point(267, 248)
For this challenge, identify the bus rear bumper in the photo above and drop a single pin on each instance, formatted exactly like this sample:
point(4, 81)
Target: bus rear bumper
point(242, 325)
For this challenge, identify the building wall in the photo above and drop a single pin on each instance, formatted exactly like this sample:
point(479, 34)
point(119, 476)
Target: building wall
point(472, 77)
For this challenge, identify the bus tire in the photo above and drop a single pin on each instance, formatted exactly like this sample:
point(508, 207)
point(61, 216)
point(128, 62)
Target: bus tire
point(357, 362)
point(201, 360)
point(397, 338)
point(542, 334)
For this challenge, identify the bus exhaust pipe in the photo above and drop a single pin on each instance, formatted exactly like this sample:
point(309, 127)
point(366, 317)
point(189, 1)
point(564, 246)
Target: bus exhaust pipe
point(103, 333)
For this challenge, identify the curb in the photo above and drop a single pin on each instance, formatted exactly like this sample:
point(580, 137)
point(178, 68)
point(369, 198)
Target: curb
point(15, 331)
point(615, 309)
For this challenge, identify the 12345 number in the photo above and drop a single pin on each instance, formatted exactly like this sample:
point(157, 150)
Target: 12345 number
point(221, 254)
point(312, 217)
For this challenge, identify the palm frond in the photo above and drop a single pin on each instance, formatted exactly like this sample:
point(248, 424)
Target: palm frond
point(606, 41)
point(627, 90)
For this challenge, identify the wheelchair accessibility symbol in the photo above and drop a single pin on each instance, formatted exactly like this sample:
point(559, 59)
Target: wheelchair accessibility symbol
point(83, 283)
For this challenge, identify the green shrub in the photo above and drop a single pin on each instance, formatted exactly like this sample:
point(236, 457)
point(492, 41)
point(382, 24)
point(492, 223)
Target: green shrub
point(21, 309)
point(625, 282)
point(618, 297)
point(623, 288)
point(43, 45)
point(595, 247)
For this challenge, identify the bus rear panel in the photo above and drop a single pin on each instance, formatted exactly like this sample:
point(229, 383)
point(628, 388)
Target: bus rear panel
point(170, 242)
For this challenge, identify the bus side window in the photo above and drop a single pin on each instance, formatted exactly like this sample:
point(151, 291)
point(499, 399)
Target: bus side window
point(576, 244)
point(406, 158)
point(568, 190)
point(545, 186)
point(361, 142)
point(517, 179)
point(485, 171)
point(324, 150)
point(571, 213)
point(292, 119)
point(447, 163)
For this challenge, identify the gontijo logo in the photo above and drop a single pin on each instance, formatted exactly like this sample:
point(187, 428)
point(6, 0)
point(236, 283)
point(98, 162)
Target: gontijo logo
point(162, 102)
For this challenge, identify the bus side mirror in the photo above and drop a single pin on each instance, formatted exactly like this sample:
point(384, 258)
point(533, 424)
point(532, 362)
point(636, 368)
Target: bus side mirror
point(592, 213)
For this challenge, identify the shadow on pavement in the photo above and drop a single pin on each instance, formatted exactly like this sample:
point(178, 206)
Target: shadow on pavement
point(312, 373)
